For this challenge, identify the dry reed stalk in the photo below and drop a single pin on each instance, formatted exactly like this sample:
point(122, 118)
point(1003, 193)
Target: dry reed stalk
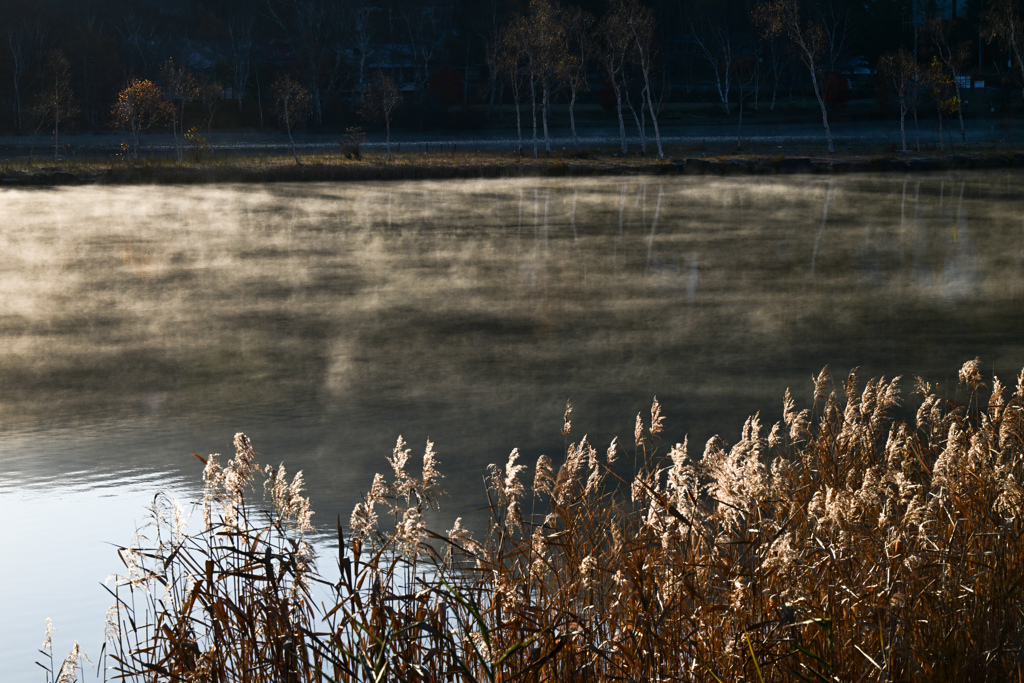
point(840, 544)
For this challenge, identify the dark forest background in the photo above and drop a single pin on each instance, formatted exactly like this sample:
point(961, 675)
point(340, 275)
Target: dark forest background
point(464, 63)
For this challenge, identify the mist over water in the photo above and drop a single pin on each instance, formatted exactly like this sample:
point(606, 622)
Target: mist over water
point(142, 324)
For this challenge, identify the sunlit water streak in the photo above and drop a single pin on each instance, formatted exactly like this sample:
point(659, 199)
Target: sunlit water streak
point(142, 324)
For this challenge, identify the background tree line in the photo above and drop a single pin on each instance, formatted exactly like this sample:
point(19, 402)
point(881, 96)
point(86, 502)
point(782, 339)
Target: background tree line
point(222, 63)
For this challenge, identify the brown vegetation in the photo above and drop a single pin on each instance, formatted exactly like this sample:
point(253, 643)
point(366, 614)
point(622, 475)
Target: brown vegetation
point(353, 163)
point(843, 544)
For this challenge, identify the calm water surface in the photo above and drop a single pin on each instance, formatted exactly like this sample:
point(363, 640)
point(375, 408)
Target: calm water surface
point(142, 324)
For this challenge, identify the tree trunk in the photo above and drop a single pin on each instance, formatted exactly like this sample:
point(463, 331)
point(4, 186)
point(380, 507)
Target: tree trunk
point(959, 112)
point(56, 121)
point(136, 134)
point(492, 61)
point(824, 111)
point(654, 117)
point(723, 93)
point(544, 120)
point(259, 98)
point(645, 69)
point(533, 110)
point(757, 79)
point(917, 131)
point(465, 78)
point(317, 108)
point(1020, 65)
point(739, 126)
point(903, 127)
point(639, 128)
point(622, 122)
point(178, 128)
point(291, 140)
point(519, 124)
point(17, 104)
point(572, 118)
point(1014, 47)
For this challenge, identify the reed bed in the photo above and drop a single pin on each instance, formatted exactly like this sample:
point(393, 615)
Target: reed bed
point(843, 543)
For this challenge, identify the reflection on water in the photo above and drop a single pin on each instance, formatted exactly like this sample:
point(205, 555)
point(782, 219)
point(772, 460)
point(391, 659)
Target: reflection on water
point(142, 324)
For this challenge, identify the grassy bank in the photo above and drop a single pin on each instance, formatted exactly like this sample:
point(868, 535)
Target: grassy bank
point(843, 543)
point(695, 159)
point(322, 167)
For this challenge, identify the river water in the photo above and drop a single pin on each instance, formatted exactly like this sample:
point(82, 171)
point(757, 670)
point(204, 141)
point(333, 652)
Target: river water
point(142, 324)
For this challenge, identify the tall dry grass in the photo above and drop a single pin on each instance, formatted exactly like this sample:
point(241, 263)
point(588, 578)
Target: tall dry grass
point(841, 544)
point(228, 602)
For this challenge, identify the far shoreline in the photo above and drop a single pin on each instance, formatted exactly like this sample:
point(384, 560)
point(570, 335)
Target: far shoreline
point(335, 167)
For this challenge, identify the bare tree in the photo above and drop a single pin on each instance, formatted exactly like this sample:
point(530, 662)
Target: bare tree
point(291, 105)
point(378, 102)
point(578, 27)
point(95, 71)
point(613, 48)
point(181, 87)
point(555, 61)
point(935, 78)
point(243, 38)
point(626, 39)
point(713, 37)
point(536, 43)
point(817, 40)
point(426, 24)
point(211, 93)
point(529, 50)
point(361, 36)
point(312, 30)
point(639, 19)
point(24, 43)
point(138, 42)
point(1004, 23)
point(56, 103)
point(900, 71)
point(955, 59)
point(485, 21)
point(509, 58)
point(777, 57)
point(832, 17)
point(745, 69)
point(639, 117)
